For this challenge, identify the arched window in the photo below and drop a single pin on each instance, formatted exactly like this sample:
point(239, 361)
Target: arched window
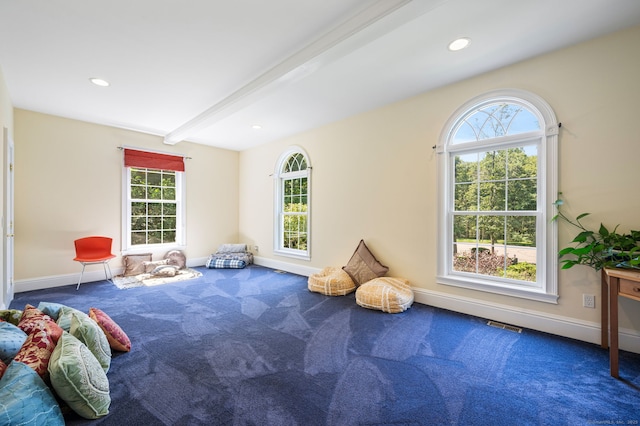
point(498, 181)
point(293, 183)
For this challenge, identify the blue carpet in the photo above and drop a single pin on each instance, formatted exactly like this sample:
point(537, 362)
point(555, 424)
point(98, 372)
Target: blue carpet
point(255, 347)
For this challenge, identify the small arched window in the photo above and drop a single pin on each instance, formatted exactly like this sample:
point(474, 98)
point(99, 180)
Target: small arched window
point(292, 202)
point(498, 181)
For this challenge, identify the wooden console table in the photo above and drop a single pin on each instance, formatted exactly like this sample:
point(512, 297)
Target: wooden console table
point(615, 282)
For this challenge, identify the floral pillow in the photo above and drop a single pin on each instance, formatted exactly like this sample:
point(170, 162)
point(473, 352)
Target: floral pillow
point(36, 352)
point(118, 339)
point(34, 319)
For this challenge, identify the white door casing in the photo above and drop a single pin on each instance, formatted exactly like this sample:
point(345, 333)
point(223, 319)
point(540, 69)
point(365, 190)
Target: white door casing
point(8, 220)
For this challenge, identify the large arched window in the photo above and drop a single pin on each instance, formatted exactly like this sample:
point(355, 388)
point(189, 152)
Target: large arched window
point(498, 181)
point(292, 201)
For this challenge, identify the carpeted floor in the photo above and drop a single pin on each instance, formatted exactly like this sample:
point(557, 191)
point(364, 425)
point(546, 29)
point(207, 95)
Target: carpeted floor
point(255, 347)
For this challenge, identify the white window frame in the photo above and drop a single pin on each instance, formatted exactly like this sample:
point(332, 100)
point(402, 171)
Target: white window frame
point(546, 287)
point(126, 216)
point(279, 178)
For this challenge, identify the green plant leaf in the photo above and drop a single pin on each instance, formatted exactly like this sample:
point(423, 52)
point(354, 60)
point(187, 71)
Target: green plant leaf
point(582, 237)
point(582, 250)
point(602, 249)
point(603, 231)
point(566, 251)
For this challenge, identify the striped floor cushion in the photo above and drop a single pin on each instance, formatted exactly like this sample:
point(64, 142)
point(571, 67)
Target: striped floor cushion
point(385, 294)
point(331, 281)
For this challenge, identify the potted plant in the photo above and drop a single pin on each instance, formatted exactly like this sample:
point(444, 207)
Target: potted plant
point(599, 249)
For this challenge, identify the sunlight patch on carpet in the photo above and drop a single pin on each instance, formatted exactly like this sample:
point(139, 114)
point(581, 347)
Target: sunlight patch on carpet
point(147, 280)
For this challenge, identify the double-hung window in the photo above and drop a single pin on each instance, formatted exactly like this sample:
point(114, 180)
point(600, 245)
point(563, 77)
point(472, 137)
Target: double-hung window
point(498, 181)
point(292, 204)
point(153, 199)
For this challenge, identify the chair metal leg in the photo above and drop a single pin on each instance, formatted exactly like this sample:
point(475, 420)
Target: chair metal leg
point(106, 266)
point(81, 274)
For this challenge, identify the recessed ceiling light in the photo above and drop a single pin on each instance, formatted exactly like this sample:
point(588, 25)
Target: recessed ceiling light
point(256, 127)
point(99, 82)
point(459, 44)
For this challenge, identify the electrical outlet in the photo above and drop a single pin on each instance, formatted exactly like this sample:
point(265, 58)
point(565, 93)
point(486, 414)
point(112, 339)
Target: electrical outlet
point(588, 300)
point(255, 248)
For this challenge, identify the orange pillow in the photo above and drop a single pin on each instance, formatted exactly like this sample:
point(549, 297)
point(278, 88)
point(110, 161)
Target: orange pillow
point(118, 339)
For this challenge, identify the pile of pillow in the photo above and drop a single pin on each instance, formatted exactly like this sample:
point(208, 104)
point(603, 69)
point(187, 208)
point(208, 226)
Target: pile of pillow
point(137, 264)
point(55, 350)
point(230, 256)
point(366, 275)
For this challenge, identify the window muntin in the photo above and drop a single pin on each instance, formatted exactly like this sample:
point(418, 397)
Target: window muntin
point(154, 207)
point(292, 205)
point(495, 159)
point(489, 186)
point(294, 213)
point(495, 120)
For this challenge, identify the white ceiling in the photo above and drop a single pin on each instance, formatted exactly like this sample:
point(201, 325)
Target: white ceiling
point(207, 70)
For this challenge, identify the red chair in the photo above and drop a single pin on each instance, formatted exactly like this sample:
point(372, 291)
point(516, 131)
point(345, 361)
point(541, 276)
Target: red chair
point(94, 250)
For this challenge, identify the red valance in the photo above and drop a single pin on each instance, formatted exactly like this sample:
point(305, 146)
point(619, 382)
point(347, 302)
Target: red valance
point(153, 160)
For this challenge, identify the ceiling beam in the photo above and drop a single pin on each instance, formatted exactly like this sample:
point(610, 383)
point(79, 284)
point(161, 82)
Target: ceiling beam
point(299, 65)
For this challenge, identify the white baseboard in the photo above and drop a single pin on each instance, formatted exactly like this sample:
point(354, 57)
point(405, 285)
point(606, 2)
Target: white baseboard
point(553, 324)
point(200, 261)
point(41, 283)
point(285, 266)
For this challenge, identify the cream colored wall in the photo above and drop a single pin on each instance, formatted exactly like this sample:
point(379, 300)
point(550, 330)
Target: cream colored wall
point(68, 185)
point(6, 108)
point(374, 175)
point(6, 121)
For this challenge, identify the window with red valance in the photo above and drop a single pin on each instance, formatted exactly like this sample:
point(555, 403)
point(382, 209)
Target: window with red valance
point(153, 199)
point(153, 160)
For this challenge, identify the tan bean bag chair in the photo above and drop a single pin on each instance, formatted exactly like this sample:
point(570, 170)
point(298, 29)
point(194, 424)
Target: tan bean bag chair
point(385, 294)
point(331, 281)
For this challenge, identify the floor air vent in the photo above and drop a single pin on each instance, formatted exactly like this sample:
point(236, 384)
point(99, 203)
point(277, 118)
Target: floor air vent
point(505, 326)
point(278, 271)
